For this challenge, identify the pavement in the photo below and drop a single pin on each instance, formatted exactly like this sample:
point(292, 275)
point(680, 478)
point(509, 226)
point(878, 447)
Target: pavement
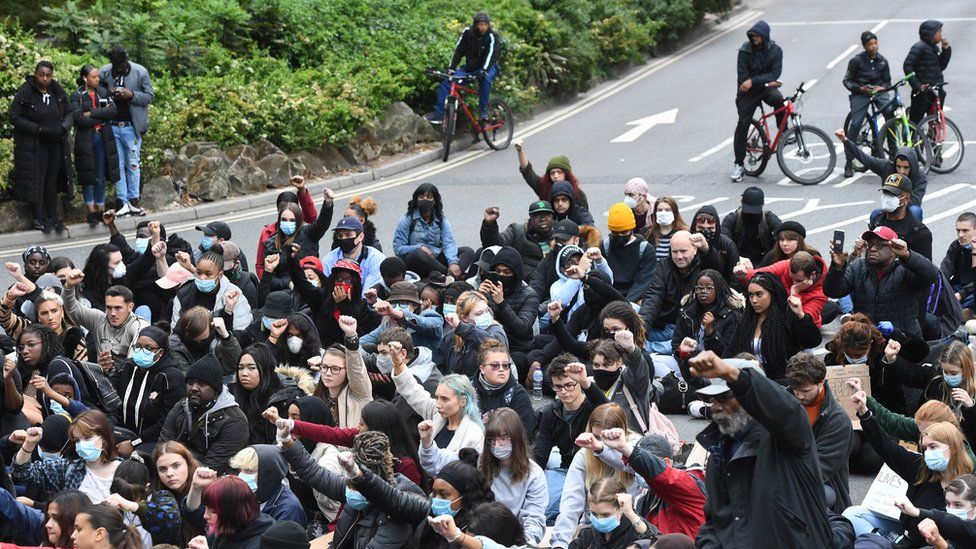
point(689, 158)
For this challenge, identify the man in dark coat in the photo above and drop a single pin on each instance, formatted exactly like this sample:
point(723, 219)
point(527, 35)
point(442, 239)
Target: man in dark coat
point(958, 265)
point(759, 65)
point(905, 163)
point(480, 47)
point(927, 61)
point(706, 222)
point(896, 193)
point(763, 478)
point(752, 228)
point(531, 239)
point(513, 303)
point(867, 74)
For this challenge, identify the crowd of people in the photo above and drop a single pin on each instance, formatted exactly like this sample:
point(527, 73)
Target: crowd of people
point(510, 393)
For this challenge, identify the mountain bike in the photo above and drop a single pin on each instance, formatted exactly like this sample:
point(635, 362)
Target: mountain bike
point(499, 127)
point(898, 129)
point(943, 135)
point(805, 153)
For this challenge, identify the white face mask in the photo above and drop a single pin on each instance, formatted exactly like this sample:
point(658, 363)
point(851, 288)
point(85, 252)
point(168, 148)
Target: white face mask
point(665, 217)
point(889, 202)
point(294, 344)
point(119, 271)
point(630, 202)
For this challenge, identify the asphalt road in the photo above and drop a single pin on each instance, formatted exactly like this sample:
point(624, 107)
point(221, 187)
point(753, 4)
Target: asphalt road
point(691, 158)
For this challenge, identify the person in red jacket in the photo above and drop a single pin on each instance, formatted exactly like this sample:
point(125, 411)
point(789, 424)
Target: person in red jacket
point(802, 274)
point(301, 197)
point(676, 496)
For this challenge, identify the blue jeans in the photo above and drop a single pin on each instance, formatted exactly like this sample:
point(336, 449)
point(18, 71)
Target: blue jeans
point(555, 478)
point(866, 521)
point(659, 340)
point(129, 144)
point(484, 91)
point(967, 302)
point(95, 194)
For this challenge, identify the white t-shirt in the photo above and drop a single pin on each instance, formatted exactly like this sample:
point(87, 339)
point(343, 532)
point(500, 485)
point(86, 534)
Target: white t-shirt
point(96, 487)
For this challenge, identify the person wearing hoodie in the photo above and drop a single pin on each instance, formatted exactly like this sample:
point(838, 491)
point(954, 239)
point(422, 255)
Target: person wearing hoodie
point(574, 267)
point(41, 117)
point(424, 239)
point(532, 238)
point(404, 309)
point(564, 233)
point(759, 65)
point(299, 196)
point(896, 191)
point(420, 363)
point(150, 384)
point(262, 468)
point(96, 158)
point(629, 257)
point(803, 275)
point(752, 228)
point(512, 302)
point(565, 205)
point(867, 76)
point(116, 329)
point(707, 222)
point(208, 421)
point(258, 387)
point(904, 163)
point(927, 60)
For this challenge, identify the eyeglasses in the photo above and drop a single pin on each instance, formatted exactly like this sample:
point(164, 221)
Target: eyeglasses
point(147, 348)
point(22, 347)
point(567, 387)
point(499, 365)
point(333, 369)
point(721, 399)
point(704, 289)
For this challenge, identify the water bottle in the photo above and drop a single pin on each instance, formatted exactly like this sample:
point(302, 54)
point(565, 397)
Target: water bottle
point(537, 384)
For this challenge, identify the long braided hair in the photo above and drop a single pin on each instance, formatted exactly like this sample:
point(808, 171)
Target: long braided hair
point(372, 449)
point(776, 345)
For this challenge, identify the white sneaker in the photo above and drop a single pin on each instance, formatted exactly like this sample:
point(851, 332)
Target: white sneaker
point(124, 211)
point(697, 408)
point(736, 172)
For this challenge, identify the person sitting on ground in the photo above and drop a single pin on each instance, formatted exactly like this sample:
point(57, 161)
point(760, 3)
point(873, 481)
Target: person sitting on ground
point(631, 259)
point(752, 228)
point(708, 319)
point(620, 369)
point(343, 382)
point(955, 524)
point(49, 310)
point(350, 235)
point(959, 264)
point(198, 333)
point(116, 329)
point(212, 290)
point(292, 229)
point(512, 302)
point(790, 239)
point(532, 238)
point(707, 222)
point(497, 387)
point(262, 468)
point(309, 214)
point(896, 190)
point(231, 511)
point(904, 163)
point(424, 238)
point(612, 518)
point(803, 274)
point(472, 325)
point(403, 308)
point(361, 208)
point(565, 205)
point(666, 221)
point(392, 270)
point(558, 169)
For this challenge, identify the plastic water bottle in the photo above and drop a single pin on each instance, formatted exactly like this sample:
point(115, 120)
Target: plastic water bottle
point(537, 384)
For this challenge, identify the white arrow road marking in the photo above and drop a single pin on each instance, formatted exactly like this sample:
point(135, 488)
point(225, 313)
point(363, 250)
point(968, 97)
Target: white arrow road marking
point(645, 124)
point(711, 151)
point(813, 205)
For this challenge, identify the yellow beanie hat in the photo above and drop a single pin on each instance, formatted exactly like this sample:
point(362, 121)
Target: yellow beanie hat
point(621, 218)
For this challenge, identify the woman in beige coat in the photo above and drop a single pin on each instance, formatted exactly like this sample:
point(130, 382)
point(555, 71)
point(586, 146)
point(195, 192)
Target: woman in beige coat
point(343, 383)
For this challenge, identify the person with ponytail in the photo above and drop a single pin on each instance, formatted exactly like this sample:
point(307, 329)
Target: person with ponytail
point(458, 489)
point(957, 524)
point(362, 208)
point(306, 209)
point(96, 158)
point(104, 527)
point(613, 521)
point(212, 290)
point(150, 384)
point(31, 525)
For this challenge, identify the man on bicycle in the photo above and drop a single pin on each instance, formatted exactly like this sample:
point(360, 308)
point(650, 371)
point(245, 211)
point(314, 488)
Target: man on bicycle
point(479, 45)
point(867, 74)
point(927, 61)
point(759, 65)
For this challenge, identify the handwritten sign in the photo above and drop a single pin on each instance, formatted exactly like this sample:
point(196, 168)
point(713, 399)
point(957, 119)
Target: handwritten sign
point(883, 491)
point(837, 377)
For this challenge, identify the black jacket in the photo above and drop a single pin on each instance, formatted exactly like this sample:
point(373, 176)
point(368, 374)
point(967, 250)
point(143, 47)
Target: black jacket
point(323, 307)
point(148, 394)
point(621, 537)
point(958, 532)
point(768, 223)
point(100, 113)
point(544, 276)
point(554, 431)
point(864, 71)
point(728, 252)
point(957, 266)
point(27, 140)
point(925, 58)
point(910, 229)
point(633, 266)
point(516, 313)
point(929, 379)
point(769, 492)
point(213, 437)
point(832, 431)
point(248, 538)
point(662, 302)
point(516, 236)
point(689, 325)
point(511, 395)
point(307, 236)
point(885, 388)
point(578, 214)
point(801, 333)
point(479, 52)
point(763, 64)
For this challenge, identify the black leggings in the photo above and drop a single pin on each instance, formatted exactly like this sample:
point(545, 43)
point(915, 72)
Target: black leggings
point(49, 165)
point(421, 263)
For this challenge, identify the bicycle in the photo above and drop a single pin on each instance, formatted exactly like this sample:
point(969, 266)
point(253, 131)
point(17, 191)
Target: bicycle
point(867, 137)
point(499, 128)
point(800, 142)
point(942, 135)
point(899, 132)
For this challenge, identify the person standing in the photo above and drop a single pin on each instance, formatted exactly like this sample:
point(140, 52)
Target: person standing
point(96, 156)
point(868, 74)
point(41, 119)
point(129, 86)
point(760, 63)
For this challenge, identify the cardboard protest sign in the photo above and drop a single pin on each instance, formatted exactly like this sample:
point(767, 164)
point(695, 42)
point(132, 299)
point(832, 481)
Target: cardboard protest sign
point(837, 377)
point(885, 488)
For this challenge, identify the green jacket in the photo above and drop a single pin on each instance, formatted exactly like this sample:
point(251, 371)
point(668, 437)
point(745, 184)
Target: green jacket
point(901, 427)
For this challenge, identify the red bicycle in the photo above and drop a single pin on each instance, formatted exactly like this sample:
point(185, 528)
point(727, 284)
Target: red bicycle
point(948, 146)
point(805, 153)
point(499, 127)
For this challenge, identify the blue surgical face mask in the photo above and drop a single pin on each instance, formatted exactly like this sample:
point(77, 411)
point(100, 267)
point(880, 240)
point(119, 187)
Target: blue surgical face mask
point(355, 500)
point(56, 408)
point(961, 513)
point(450, 308)
point(205, 285)
point(483, 320)
point(206, 243)
point(267, 322)
point(142, 244)
point(952, 381)
point(251, 479)
point(859, 360)
point(402, 307)
point(144, 358)
point(87, 450)
point(968, 245)
point(441, 506)
point(314, 282)
point(604, 525)
point(287, 227)
point(48, 456)
point(936, 460)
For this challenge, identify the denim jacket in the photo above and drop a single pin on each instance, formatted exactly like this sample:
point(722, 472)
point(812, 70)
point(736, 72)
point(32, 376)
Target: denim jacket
point(412, 232)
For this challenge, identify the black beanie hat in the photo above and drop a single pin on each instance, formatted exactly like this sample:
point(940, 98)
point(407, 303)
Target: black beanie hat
point(867, 36)
point(55, 435)
point(284, 534)
point(208, 370)
point(792, 226)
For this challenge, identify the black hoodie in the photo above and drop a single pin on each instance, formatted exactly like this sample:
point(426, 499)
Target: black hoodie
point(925, 58)
point(276, 499)
point(480, 52)
point(632, 266)
point(726, 248)
point(518, 311)
point(761, 65)
point(576, 213)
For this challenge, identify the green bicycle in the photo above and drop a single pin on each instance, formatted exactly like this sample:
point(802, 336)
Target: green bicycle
point(899, 132)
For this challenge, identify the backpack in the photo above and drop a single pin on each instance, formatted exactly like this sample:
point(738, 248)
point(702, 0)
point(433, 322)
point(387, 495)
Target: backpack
point(99, 387)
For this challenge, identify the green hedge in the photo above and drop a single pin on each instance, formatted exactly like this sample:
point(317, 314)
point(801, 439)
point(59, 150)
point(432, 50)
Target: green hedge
point(300, 72)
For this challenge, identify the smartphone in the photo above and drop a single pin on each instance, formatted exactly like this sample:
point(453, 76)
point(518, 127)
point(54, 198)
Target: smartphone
point(492, 277)
point(838, 241)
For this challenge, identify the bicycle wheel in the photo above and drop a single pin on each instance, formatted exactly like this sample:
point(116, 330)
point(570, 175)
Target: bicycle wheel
point(806, 155)
point(450, 122)
point(863, 138)
point(947, 143)
point(757, 150)
point(895, 134)
point(500, 128)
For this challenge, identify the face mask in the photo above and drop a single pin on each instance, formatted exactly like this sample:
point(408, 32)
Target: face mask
point(859, 360)
point(425, 206)
point(119, 271)
point(440, 506)
point(384, 364)
point(604, 525)
point(347, 244)
point(403, 307)
point(968, 246)
point(630, 202)
point(314, 282)
point(889, 203)
point(143, 358)
point(483, 321)
point(142, 244)
point(619, 242)
point(205, 285)
point(234, 273)
point(605, 379)
point(450, 308)
point(345, 286)
point(206, 243)
point(294, 344)
point(952, 381)
point(48, 456)
point(935, 460)
point(665, 218)
point(960, 513)
point(251, 479)
point(501, 452)
point(708, 234)
point(355, 500)
point(56, 408)
point(266, 322)
point(287, 227)
point(87, 450)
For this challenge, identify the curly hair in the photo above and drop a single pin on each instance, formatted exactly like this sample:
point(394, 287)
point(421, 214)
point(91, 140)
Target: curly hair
point(372, 449)
point(364, 207)
point(624, 312)
point(858, 334)
point(774, 332)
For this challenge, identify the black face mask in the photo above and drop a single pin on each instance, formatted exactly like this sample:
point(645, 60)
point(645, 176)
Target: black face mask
point(508, 281)
point(619, 242)
point(708, 234)
point(234, 274)
point(605, 379)
point(425, 206)
point(347, 244)
point(199, 348)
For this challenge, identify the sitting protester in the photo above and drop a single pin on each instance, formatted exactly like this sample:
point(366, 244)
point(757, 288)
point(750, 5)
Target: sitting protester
point(262, 468)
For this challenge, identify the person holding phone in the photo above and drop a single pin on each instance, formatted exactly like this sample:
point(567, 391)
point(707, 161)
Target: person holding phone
point(927, 59)
point(96, 156)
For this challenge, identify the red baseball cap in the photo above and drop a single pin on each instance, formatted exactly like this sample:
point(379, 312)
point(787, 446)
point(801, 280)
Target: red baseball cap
point(881, 232)
point(311, 262)
point(349, 265)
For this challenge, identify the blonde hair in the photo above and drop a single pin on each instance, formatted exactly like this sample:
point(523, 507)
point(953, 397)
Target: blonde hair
point(958, 354)
point(245, 460)
point(466, 303)
point(934, 411)
point(606, 416)
point(959, 462)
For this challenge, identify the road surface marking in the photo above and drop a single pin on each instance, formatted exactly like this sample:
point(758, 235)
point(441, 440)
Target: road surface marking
point(814, 205)
point(841, 57)
point(864, 217)
point(850, 180)
point(951, 212)
point(866, 22)
point(643, 125)
point(712, 151)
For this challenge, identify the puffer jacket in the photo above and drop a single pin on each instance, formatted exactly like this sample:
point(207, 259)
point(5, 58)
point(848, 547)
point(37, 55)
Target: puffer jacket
point(728, 252)
point(100, 113)
point(516, 236)
point(864, 71)
point(726, 316)
point(27, 141)
point(215, 436)
point(136, 79)
point(926, 59)
point(910, 229)
point(518, 311)
point(662, 302)
point(511, 395)
point(763, 64)
point(148, 394)
point(894, 297)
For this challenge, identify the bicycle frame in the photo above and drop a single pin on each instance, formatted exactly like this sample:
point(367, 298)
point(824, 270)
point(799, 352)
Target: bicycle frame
point(936, 109)
point(788, 110)
point(874, 110)
point(458, 92)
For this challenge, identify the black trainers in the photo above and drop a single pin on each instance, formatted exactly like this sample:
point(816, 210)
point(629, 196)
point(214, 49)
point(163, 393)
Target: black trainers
point(37, 226)
point(59, 227)
point(134, 208)
point(848, 171)
point(93, 219)
point(47, 227)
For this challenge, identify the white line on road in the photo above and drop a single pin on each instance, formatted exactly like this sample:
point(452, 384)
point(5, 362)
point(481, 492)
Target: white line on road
point(850, 180)
point(866, 22)
point(814, 205)
point(879, 26)
point(841, 57)
point(951, 212)
point(711, 151)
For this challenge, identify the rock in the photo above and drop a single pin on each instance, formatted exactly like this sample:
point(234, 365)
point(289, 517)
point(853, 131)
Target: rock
point(245, 177)
point(363, 148)
point(176, 164)
point(399, 129)
point(331, 157)
point(237, 151)
point(265, 148)
point(207, 179)
point(158, 194)
point(197, 147)
point(311, 162)
point(14, 216)
point(279, 169)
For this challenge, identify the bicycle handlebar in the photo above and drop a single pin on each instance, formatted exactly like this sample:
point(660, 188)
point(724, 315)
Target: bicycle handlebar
point(448, 76)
